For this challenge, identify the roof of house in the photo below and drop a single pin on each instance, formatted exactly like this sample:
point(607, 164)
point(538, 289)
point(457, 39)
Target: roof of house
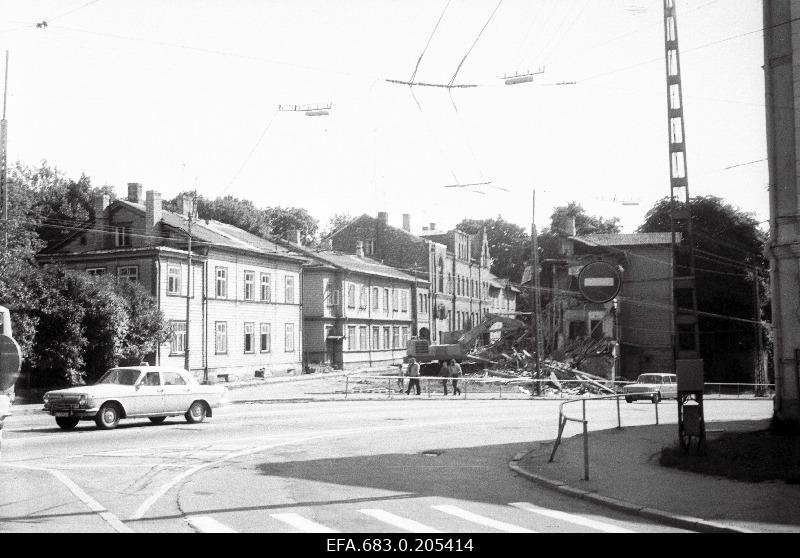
point(619, 239)
point(351, 262)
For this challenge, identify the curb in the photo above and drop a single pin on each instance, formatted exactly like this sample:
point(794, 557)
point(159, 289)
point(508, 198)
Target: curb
point(653, 514)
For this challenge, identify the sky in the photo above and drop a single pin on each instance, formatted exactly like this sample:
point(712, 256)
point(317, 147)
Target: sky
point(184, 95)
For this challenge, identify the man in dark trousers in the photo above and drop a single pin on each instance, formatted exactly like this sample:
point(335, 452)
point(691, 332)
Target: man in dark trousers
point(444, 373)
point(413, 375)
point(455, 373)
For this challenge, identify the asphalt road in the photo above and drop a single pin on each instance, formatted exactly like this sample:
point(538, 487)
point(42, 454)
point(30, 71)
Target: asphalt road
point(405, 465)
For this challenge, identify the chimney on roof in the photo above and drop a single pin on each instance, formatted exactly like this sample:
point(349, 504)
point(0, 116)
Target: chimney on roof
point(101, 202)
point(406, 222)
point(135, 192)
point(185, 204)
point(152, 210)
point(432, 226)
point(293, 236)
point(360, 248)
point(383, 217)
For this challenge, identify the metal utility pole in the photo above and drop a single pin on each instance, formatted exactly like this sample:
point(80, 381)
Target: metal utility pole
point(760, 378)
point(4, 159)
point(686, 327)
point(536, 317)
point(188, 289)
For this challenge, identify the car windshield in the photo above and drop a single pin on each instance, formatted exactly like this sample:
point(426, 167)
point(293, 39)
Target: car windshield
point(650, 379)
point(120, 376)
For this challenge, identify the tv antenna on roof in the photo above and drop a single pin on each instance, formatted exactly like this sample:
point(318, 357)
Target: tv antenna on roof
point(517, 78)
point(310, 110)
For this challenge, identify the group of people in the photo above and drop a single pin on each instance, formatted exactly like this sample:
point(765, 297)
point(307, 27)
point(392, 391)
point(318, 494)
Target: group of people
point(450, 369)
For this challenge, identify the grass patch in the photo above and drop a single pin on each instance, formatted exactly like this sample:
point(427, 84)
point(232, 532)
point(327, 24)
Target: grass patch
point(748, 456)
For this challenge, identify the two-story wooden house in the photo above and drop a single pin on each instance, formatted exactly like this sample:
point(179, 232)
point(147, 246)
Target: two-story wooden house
point(243, 292)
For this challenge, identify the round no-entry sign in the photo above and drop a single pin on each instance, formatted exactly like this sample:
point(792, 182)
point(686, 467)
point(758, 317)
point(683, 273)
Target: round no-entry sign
point(599, 282)
point(10, 361)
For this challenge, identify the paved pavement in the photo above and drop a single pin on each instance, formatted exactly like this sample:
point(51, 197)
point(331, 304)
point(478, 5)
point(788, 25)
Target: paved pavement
point(624, 472)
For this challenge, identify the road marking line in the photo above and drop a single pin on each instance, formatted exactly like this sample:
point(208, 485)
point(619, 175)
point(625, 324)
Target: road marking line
point(400, 522)
point(78, 492)
point(142, 509)
point(301, 523)
point(479, 519)
point(571, 518)
point(205, 524)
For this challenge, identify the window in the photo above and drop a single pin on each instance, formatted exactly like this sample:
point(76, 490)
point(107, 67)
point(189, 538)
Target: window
point(376, 338)
point(375, 298)
point(351, 296)
point(362, 338)
point(172, 379)
point(289, 337)
point(386, 300)
point(362, 298)
point(351, 338)
point(369, 247)
point(266, 288)
point(248, 337)
point(386, 344)
point(265, 339)
point(596, 328)
point(177, 342)
point(404, 301)
point(395, 337)
point(222, 282)
point(449, 283)
point(249, 285)
point(220, 338)
point(289, 291)
point(173, 279)
point(122, 236)
point(395, 305)
point(151, 379)
point(129, 272)
point(95, 271)
point(404, 337)
point(577, 329)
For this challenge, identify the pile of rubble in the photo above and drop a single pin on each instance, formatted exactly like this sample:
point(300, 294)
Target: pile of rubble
point(574, 370)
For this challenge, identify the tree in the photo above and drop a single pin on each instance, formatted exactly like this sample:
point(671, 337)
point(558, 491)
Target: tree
point(509, 245)
point(285, 219)
point(728, 246)
point(336, 222)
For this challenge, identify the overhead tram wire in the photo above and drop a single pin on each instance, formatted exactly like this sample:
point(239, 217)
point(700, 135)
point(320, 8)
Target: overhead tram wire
point(252, 151)
point(424, 50)
point(485, 25)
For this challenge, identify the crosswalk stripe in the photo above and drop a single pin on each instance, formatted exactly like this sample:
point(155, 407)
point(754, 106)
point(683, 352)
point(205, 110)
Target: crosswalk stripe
point(206, 524)
point(479, 519)
point(303, 524)
point(398, 521)
point(571, 518)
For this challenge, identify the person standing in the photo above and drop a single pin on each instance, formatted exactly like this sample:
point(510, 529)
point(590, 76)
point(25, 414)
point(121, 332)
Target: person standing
point(455, 373)
point(413, 376)
point(444, 373)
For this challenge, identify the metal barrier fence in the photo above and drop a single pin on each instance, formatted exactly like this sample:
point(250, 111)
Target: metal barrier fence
point(563, 419)
point(512, 385)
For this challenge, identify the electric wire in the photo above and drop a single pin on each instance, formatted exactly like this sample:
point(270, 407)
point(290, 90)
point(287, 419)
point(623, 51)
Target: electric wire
point(424, 50)
point(485, 25)
point(252, 151)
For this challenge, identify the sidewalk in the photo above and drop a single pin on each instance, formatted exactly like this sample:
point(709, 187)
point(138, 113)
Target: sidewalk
point(624, 474)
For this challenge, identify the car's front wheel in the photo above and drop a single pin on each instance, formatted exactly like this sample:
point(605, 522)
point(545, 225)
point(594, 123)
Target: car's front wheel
point(108, 416)
point(629, 399)
point(196, 413)
point(67, 423)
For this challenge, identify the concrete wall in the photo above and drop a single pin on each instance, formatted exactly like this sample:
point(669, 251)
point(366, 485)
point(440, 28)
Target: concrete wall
point(782, 82)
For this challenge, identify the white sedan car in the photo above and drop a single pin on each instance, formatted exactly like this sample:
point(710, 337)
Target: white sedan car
point(155, 392)
point(654, 387)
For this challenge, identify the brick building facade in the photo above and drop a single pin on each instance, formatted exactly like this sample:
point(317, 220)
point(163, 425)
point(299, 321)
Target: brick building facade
point(640, 318)
point(244, 291)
